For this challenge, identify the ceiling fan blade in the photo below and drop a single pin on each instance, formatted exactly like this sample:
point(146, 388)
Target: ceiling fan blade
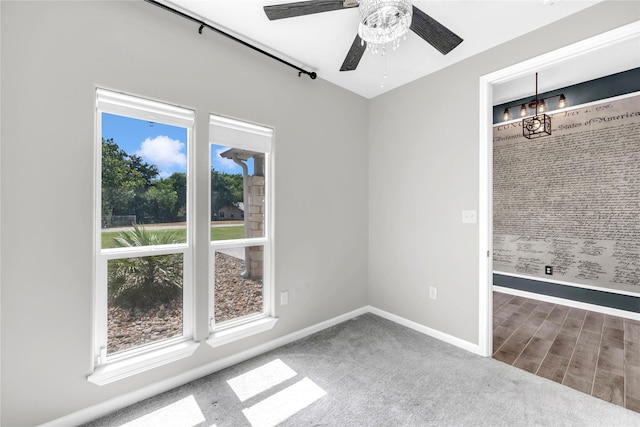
point(434, 32)
point(353, 56)
point(289, 10)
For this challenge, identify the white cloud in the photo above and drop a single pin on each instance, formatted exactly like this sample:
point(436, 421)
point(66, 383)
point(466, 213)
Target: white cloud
point(164, 152)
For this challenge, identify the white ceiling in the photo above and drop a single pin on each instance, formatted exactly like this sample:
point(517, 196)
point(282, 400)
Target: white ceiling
point(319, 42)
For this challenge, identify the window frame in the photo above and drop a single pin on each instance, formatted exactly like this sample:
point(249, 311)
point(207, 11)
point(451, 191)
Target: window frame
point(233, 133)
point(109, 368)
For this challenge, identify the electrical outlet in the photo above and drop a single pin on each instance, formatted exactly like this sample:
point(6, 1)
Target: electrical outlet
point(548, 270)
point(284, 297)
point(433, 292)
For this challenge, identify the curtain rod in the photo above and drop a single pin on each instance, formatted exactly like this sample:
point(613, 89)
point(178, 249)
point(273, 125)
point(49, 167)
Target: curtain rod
point(203, 25)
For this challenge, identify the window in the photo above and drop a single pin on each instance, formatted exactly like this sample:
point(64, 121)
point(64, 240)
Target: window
point(143, 289)
point(144, 233)
point(240, 251)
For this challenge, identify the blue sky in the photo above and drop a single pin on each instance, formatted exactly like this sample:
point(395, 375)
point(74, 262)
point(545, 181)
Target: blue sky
point(162, 145)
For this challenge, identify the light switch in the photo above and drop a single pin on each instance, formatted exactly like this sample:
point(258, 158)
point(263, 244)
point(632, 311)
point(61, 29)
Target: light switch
point(469, 217)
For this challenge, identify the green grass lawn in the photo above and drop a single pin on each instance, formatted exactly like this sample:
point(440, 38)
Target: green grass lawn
point(217, 233)
point(227, 233)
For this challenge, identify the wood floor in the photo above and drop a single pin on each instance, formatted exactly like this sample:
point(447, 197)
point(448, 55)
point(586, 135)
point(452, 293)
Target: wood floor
point(594, 353)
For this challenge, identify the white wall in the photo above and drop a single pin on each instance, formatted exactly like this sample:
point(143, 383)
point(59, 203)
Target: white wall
point(333, 149)
point(54, 54)
point(423, 161)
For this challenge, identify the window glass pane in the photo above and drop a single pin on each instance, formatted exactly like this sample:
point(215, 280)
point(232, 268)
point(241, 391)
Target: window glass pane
point(145, 300)
point(237, 193)
point(144, 177)
point(238, 282)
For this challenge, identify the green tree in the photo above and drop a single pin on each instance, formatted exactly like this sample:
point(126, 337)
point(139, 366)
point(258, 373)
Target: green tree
point(147, 171)
point(125, 178)
point(234, 184)
point(130, 186)
point(226, 190)
point(178, 181)
point(160, 203)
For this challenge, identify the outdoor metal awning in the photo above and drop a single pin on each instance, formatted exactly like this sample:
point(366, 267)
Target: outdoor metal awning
point(240, 154)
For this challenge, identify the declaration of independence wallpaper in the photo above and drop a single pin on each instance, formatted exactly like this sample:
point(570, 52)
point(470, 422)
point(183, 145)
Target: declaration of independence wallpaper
point(571, 200)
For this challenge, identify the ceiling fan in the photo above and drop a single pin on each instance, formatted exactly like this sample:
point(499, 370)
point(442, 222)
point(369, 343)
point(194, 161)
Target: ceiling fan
point(433, 32)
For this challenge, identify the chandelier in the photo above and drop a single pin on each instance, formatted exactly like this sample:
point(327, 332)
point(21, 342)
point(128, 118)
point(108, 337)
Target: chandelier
point(384, 22)
point(538, 125)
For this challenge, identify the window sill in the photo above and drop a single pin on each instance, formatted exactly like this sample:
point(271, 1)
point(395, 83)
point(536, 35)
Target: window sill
point(245, 329)
point(127, 366)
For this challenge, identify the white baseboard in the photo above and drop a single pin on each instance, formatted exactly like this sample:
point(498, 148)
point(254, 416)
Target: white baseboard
point(449, 339)
point(569, 303)
point(111, 405)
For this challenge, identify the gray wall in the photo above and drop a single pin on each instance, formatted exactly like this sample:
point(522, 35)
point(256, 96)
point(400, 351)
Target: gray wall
point(423, 160)
point(54, 54)
point(418, 158)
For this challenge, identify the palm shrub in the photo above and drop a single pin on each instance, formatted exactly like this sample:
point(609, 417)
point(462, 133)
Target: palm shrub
point(148, 280)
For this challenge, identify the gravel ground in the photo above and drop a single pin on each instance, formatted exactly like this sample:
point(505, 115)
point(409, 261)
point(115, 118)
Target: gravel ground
point(235, 297)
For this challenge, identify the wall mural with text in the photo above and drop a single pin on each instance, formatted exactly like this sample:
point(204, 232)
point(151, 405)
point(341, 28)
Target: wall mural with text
point(571, 200)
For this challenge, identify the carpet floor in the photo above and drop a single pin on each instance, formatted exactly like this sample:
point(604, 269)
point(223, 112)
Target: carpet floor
point(369, 371)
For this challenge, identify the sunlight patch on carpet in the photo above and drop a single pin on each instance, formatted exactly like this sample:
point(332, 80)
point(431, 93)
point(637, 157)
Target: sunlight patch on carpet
point(183, 413)
point(260, 379)
point(285, 403)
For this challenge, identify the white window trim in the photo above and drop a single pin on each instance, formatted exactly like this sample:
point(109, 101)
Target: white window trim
point(107, 369)
point(140, 360)
point(241, 328)
point(230, 132)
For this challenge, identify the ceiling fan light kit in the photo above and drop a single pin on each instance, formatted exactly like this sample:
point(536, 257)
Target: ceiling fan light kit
point(381, 22)
point(384, 22)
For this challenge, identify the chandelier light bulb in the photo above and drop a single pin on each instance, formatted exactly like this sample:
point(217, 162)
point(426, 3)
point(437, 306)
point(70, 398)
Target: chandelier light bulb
point(542, 107)
point(562, 102)
point(523, 110)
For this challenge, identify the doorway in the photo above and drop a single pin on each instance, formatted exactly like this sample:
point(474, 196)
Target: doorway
point(587, 50)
